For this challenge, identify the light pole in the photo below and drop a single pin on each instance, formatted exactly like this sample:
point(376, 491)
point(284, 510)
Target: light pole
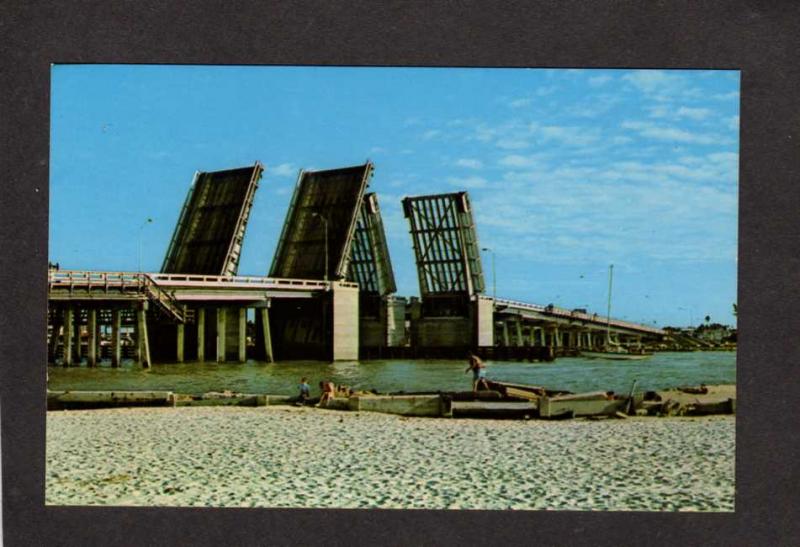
point(494, 277)
point(145, 223)
point(325, 224)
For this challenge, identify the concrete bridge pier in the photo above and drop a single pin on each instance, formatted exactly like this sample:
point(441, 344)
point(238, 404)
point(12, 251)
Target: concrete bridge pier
point(264, 335)
point(142, 341)
point(201, 334)
point(116, 338)
point(518, 333)
point(180, 340)
point(221, 334)
point(68, 335)
point(76, 339)
point(52, 348)
point(344, 336)
point(91, 328)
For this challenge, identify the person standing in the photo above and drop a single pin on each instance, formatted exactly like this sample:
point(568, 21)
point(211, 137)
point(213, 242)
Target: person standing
point(478, 372)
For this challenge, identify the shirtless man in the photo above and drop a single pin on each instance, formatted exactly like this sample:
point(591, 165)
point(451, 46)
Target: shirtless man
point(478, 372)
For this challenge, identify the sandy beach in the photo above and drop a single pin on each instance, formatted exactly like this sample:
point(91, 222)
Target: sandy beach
point(303, 457)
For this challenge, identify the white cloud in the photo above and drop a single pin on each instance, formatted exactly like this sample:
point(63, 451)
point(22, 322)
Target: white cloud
point(669, 133)
point(283, 170)
point(377, 150)
point(430, 134)
point(726, 96)
point(547, 90)
point(641, 209)
point(511, 144)
point(519, 103)
point(570, 135)
point(597, 81)
point(467, 182)
point(652, 81)
point(693, 113)
point(732, 123)
point(469, 163)
point(515, 160)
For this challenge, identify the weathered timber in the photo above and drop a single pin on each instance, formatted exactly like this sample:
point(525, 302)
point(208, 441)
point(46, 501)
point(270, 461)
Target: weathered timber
point(58, 400)
point(550, 407)
point(405, 405)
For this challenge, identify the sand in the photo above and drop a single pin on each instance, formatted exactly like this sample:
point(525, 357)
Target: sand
point(302, 457)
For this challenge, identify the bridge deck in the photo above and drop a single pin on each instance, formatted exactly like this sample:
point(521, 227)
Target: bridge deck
point(535, 311)
point(82, 285)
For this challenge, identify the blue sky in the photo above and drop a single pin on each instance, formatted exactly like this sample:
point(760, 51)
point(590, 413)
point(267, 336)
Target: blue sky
point(568, 170)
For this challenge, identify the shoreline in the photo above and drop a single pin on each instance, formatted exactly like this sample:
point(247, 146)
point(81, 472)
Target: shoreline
point(305, 457)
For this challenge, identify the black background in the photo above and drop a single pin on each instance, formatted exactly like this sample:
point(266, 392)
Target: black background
point(759, 38)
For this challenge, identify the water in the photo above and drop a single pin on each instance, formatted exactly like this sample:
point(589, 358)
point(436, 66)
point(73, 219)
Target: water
point(663, 370)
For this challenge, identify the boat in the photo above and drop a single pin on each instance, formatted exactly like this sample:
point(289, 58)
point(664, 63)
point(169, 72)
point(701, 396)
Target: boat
point(613, 350)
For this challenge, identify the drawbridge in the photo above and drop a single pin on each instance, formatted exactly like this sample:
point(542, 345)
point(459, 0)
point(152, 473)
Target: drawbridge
point(454, 312)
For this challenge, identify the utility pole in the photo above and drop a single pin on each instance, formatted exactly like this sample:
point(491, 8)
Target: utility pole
point(494, 277)
point(145, 223)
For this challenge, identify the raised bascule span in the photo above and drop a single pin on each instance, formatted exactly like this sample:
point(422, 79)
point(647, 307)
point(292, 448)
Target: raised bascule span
point(330, 292)
point(454, 314)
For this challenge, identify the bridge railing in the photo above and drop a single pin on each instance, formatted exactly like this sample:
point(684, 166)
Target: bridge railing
point(189, 280)
point(72, 279)
point(58, 279)
point(570, 314)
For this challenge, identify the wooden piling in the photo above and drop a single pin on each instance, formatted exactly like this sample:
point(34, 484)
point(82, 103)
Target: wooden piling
point(201, 334)
point(116, 339)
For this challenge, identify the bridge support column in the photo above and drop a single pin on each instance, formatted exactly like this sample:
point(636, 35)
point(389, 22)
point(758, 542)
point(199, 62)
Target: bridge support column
point(142, 343)
point(77, 336)
point(68, 332)
point(221, 334)
point(345, 340)
point(505, 333)
point(179, 340)
point(201, 334)
point(242, 335)
point(266, 334)
point(91, 328)
point(518, 337)
point(52, 349)
point(116, 345)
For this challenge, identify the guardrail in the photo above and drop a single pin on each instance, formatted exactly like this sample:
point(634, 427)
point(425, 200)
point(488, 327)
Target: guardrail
point(80, 279)
point(92, 279)
point(569, 314)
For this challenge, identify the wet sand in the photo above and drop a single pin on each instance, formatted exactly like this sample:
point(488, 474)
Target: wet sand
point(303, 457)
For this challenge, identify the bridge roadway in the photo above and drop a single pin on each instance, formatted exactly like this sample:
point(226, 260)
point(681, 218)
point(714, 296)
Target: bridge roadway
point(571, 317)
point(81, 285)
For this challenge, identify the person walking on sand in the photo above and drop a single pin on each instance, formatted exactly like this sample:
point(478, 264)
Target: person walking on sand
point(328, 393)
point(478, 372)
point(305, 392)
